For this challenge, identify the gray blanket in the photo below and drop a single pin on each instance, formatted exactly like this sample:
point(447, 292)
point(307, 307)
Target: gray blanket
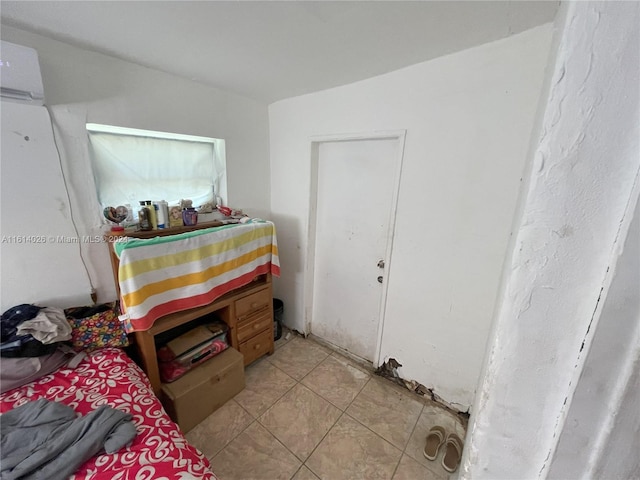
point(46, 440)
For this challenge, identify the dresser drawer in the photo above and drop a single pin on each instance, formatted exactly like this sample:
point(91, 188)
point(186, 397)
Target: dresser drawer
point(253, 302)
point(257, 346)
point(255, 323)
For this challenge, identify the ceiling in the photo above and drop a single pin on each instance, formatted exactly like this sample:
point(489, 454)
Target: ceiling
point(269, 50)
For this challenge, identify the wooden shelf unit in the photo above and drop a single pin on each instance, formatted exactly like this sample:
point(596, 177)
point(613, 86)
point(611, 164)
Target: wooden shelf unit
point(248, 310)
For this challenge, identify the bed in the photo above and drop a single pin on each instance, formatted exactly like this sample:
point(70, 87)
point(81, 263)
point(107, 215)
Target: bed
point(109, 377)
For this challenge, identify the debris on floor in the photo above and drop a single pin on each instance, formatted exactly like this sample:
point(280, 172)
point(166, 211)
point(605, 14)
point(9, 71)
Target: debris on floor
point(389, 369)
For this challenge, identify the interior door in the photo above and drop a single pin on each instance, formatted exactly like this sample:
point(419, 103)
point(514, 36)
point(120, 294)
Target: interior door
point(355, 190)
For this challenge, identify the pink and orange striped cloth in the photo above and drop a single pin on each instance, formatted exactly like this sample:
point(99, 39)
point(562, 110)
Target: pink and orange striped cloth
point(164, 275)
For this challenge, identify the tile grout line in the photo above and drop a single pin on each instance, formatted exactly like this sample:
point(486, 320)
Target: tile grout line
point(302, 462)
point(294, 379)
point(268, 359)
point(402, 451)
point(413, 430)
point(282, 444)
point(375, 433)
point(297, 471)
point(256, 418)
point(240, 432)
point(321, 440)
point(343, 412)
point(407, 445)
point(381, 438)
point(277, 399)
point(298, 382)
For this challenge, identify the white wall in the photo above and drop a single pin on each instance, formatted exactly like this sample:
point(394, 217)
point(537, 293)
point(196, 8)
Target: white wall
point(594, 442)
point(565, 344)
point(38, 265)
point(468, 118)
point(85, 87)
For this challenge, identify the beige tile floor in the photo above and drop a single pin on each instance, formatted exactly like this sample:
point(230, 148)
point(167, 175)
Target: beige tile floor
point(309, 413)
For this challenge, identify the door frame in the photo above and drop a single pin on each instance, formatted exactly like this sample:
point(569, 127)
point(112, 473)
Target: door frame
point(315, 142)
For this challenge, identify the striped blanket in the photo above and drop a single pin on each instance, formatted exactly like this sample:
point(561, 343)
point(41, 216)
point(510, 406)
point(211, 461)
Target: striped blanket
point(163, 275)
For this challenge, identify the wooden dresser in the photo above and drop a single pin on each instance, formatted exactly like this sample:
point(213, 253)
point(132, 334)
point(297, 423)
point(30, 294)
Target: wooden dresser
point(248, 312)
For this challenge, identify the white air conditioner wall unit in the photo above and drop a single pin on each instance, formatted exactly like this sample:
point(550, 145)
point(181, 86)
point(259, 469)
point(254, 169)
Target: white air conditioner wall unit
point(20, 77)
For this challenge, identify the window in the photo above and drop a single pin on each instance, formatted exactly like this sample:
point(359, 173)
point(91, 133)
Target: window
point(130, 165)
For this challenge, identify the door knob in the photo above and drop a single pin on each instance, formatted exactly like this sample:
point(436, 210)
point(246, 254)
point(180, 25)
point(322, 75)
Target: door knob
point(380, 279)
point(380, 263)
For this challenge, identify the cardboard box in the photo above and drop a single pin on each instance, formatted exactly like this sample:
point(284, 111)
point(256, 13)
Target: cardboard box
point(193, 397)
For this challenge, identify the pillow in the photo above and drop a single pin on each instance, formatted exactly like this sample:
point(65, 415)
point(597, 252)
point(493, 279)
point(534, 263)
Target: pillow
point(96, 327)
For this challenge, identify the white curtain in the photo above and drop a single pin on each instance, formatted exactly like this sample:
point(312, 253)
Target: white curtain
point(138, 165)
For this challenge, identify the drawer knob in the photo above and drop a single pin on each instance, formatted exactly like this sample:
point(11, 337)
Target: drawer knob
point(257, 346)
point(256, 326)
point(255, 304)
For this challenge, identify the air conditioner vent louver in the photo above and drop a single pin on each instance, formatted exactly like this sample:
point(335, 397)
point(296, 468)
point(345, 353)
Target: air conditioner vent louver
point(19, 94)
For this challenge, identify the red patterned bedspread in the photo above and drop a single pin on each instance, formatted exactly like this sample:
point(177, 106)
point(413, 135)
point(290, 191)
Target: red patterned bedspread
point(110, 377)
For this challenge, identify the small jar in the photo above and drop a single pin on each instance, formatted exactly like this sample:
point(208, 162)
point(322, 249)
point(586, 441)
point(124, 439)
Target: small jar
point(190, 216)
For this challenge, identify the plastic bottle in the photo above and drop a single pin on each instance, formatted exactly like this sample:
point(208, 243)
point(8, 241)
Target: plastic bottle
point(152, 215)
point(162, 214)
point(129, 220)
point(143, 217)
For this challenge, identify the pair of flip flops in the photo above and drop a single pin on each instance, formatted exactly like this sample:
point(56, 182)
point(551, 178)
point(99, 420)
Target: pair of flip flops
point(453, 447)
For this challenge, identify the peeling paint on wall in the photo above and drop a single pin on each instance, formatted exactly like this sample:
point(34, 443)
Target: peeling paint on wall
point(389, 370)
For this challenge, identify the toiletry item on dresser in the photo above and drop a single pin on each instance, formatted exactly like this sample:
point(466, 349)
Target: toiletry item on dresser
point(162, 214)
point(152, 215)
point(175, 216)
point(143, 217)
point(190, 216)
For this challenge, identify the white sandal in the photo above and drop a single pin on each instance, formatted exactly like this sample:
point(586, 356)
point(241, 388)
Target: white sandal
point(452, 453)
point(435, 439)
